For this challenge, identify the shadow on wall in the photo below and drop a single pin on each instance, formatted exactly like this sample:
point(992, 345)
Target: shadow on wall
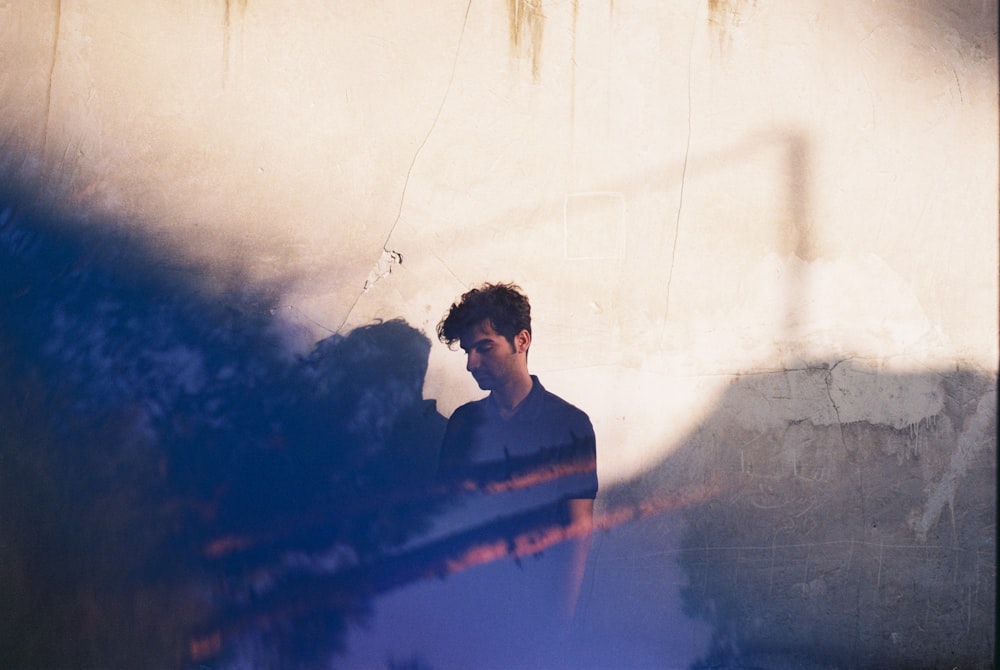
point(825, 537)
point(178, 490)
point(172, 478)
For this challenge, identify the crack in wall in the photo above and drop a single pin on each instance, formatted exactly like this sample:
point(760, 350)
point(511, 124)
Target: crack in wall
point(684, 169)
point(859, 593)
point(52, 72)
point(572, 85)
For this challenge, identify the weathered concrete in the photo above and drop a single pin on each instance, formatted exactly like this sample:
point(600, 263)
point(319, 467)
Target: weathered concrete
point(760, 241)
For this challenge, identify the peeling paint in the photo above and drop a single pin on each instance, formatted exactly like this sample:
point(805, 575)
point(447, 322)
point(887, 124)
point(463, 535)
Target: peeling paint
point(383, 267)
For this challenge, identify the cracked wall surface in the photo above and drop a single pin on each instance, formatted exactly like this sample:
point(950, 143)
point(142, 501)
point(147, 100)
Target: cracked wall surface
point(760, 242)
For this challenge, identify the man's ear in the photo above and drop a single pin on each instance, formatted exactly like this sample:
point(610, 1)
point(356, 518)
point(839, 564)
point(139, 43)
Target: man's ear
point(522, 341)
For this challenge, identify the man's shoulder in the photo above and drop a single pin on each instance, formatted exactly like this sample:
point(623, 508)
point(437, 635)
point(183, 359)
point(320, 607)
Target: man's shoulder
point(555, 405)
point(474, 409)
point(558, 402)
point(544, 404)
point(473, 405)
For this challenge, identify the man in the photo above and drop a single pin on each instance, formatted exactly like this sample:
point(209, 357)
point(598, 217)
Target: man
point(521, 425)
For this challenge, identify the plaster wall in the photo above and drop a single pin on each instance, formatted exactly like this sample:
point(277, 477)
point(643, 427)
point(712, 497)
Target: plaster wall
point(759, 238)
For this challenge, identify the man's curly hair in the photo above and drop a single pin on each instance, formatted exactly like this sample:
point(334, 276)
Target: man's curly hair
point(505, 305)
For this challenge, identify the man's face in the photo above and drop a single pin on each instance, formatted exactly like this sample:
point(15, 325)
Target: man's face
point(492, 359)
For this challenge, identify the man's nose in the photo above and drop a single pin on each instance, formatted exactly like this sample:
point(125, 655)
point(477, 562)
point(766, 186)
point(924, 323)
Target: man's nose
point(472, 362)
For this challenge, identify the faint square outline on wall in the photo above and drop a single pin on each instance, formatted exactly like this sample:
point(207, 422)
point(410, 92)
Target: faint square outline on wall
point(594, 229)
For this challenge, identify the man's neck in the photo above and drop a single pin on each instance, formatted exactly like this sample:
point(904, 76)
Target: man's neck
point(509, 398)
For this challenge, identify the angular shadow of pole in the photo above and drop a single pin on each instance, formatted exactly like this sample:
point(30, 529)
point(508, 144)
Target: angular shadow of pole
point(829, 540)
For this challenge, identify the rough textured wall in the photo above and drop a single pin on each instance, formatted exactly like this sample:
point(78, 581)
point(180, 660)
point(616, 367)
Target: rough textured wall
point(760, 242)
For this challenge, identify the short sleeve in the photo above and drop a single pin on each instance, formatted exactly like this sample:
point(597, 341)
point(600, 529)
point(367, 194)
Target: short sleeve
point(580, 454)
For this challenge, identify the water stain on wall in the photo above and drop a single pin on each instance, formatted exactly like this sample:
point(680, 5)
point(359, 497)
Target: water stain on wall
point(527, 21)
point(241, 6)
point(725, 15)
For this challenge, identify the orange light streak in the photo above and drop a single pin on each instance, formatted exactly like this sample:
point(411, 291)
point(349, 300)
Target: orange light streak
point(423, 562)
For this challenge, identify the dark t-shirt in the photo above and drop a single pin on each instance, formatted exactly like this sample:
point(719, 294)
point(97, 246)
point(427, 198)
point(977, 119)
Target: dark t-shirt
point(512, 478)
point(546, 436)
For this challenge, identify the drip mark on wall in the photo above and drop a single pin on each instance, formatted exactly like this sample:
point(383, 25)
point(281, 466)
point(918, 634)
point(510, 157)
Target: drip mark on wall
point(526, 25)
point(227, 35)
point(725, 14)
